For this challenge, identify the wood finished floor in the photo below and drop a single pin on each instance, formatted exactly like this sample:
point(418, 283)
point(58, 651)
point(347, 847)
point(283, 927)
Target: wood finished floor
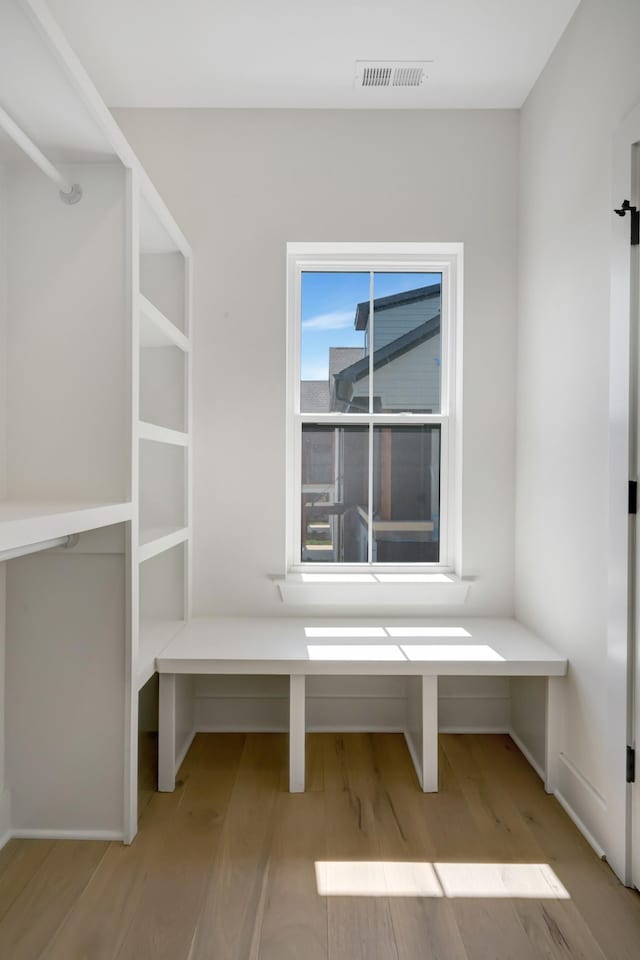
point(223, 868)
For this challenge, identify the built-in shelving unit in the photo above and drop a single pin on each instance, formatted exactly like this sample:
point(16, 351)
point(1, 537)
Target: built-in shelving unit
point(95, 440)
point(163, 430)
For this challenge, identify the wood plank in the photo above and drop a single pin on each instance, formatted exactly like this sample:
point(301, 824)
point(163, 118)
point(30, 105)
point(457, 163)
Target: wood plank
point(554, 928)
point(38, 911)
point(424, 927)
point(96, 927)
point(19, 861)
point(609, 910)
point(252, 893)
point(295, 916)
point(233, 905)
point(358, 926)
point(180, 862)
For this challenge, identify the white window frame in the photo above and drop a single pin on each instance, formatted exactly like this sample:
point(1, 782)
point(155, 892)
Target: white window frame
point(444, 258)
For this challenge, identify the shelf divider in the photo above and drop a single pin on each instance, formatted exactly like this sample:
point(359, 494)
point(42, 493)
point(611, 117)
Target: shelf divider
point(158, 331)
point(151, 431)
point(153, 542)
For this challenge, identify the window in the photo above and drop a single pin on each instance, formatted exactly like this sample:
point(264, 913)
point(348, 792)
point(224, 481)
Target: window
point(371, 442)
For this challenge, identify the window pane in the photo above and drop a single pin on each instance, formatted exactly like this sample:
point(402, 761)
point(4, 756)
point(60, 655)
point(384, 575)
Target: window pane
point(332, 343)
point(335, 463)
point(407, 342)
point(406, 494)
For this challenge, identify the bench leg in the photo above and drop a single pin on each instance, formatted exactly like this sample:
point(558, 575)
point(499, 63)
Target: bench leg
point(167, 733)
point(553, 733)
point(297, 733)
point(422, 729)
point(430, 734)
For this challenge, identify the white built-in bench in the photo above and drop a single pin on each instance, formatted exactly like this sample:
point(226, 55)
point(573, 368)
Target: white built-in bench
point(421, 650)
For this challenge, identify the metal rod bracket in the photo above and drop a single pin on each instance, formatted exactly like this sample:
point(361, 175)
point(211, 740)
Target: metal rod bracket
point(74, 195)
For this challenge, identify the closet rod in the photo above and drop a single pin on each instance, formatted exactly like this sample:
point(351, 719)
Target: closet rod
point(23, 551)
point(69, 192)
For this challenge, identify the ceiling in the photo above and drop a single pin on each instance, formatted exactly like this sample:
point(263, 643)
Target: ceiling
point(302, 53)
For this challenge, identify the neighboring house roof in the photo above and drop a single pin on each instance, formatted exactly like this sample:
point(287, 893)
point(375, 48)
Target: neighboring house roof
point(314, 396)
point(427, 330)
point(384, 303)
point(341, 357)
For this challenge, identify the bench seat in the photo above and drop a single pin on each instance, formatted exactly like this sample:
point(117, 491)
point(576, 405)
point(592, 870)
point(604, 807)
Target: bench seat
point(420, 649)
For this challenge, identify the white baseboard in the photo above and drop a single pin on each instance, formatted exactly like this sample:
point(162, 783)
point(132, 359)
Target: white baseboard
point(185, 749)
point(590, 796)
point(456, 728)
point(413, 753)
point(582, 802)
point(524, 750)
point(26, 833)
point(236, 728)
point(5, 817)
point(582, 827)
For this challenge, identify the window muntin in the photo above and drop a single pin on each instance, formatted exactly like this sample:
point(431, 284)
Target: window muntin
point(387, 497)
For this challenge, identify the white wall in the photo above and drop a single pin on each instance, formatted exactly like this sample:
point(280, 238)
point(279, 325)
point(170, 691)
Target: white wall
point(5, 815)
point(567, 128)
point(66, 405)
point(242, 183)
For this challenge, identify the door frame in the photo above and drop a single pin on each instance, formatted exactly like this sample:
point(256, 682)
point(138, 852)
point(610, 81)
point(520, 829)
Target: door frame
point(622, 625)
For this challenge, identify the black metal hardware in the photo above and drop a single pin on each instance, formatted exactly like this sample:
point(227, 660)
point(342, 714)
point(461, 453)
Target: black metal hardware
point(633, 496)
point(635, 220)
point(631, 765)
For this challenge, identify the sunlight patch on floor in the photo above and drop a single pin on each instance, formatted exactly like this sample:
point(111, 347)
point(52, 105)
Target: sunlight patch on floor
point(396, 878)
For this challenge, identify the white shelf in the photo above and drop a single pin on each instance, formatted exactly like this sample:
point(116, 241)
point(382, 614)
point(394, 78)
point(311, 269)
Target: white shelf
point(23, 522)
point(158, 539)
point(151, 431)
point(385, 646)
point(154, 636)
point(373, 589)
point(157, 331)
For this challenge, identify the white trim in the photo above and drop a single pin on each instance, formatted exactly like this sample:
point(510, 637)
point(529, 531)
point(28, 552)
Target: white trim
point(580, 777)
point(617, 827)
point(185, 749)
point(4, 839)
point(584, 830)
point(566, 806)
point(469, 728)
point(27, 833)
point(445, 258)
point(526, 753)
point(132, 582)
point(5, 816)
point(413, 753)
point(295, 592)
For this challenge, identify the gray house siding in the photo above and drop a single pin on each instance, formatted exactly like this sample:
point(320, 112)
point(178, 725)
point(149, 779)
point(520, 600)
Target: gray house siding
point(410, 382)
point(392, 322)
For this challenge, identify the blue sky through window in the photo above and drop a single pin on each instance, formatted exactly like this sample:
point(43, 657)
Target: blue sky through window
point(329, 302)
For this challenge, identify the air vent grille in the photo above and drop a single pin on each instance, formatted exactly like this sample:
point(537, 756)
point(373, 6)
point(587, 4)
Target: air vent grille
point(408, 76)
point(376, 77)
point(387, 73)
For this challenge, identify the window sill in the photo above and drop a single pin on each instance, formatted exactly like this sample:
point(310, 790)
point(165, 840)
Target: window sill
point(373, 589)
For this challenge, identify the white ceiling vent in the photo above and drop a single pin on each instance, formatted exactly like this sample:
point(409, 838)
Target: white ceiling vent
point(390, 73)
